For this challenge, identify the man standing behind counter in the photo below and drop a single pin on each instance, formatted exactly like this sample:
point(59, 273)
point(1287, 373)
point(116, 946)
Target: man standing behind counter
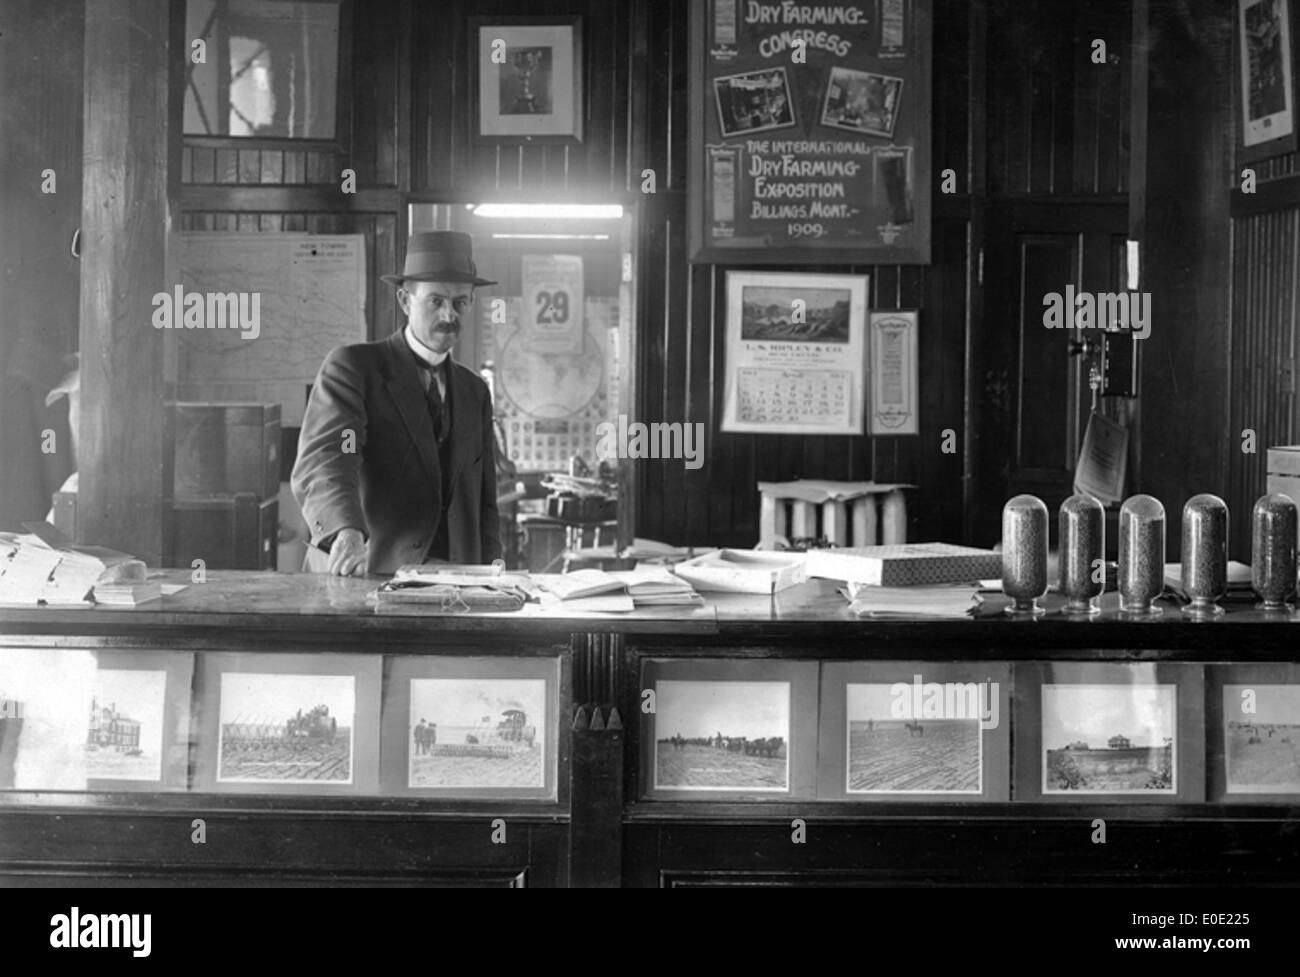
point(396, 459)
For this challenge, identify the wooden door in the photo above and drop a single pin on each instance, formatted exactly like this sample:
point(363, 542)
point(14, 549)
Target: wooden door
point(1031, 383)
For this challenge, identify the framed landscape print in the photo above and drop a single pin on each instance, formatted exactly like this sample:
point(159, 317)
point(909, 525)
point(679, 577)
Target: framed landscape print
point(1118, 732)
point(73, 719)
point(527, 79)
point(737, 729)
point(473, 728)
point(289, 724)
point(915, 731)
point(796, 353)
point(1253, 715)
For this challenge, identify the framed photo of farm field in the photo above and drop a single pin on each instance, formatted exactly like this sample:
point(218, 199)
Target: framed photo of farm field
point(1118, 732)
point(1253, 714)
point(288, 724)
point(76, 719)
point(473, 728)
point(734, 729)
point(915, 731)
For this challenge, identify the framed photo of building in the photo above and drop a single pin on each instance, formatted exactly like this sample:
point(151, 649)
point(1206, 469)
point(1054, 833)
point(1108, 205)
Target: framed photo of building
point(1253, 714)
point(1118, 732)
point(796, 353)
point(527, 79)
point(289, 724)
point(915, 731)
point(894, 379)
point(74, 719)
point(729, 729)
point(462, 727)
point(1265, 79)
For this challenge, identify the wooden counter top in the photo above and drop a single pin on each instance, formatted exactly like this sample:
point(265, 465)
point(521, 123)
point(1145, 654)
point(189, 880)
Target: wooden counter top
point(291, 605)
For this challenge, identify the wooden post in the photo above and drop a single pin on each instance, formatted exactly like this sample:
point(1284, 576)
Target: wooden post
point(133, 66)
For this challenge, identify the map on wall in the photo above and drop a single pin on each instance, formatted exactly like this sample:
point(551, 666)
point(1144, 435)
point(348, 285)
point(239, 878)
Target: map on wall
point(550, 403)
point(308, 293)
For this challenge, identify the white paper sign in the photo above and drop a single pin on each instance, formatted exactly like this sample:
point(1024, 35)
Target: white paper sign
point(553, 303)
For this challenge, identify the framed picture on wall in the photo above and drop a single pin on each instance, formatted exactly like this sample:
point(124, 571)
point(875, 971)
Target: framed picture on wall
point(729, 729)
point(893, 338)
point(796, 353)
point(1128, 733)
point(1265, 79)
point(526, 79)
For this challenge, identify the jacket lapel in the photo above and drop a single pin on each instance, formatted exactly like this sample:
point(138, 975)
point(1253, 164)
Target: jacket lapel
point(408, 394)
point(465, 408)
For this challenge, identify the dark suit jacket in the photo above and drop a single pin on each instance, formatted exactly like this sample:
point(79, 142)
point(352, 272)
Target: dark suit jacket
point(390, 485)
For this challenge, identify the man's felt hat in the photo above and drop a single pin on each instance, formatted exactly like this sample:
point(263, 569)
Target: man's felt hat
point(439, 256)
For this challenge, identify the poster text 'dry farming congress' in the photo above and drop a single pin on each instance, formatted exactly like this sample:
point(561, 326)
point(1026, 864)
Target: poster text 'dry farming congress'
point(810, 131)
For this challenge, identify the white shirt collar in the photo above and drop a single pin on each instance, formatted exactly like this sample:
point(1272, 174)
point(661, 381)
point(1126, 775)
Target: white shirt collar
point(420, 350)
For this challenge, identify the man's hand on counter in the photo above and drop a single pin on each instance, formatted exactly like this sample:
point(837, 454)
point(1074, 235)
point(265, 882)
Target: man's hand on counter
point(348, 553)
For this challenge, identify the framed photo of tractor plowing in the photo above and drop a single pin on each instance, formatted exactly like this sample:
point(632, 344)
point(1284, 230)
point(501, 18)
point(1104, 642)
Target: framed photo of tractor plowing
point(472, 728)
point(289, 724)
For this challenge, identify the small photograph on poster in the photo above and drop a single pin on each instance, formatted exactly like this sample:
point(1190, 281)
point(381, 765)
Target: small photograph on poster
point(755, 101)
point(793, 314)
point(1100, 739)
point(286, 728)
point(892, 182)
point(477, 732)
point(723, 736)
point(1261, 738)
point(862, 101)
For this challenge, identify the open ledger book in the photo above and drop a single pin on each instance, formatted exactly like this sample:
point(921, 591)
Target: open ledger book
point(647, 586)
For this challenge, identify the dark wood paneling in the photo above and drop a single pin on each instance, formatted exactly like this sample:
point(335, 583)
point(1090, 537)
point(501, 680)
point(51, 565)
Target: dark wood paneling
point(1186, 442)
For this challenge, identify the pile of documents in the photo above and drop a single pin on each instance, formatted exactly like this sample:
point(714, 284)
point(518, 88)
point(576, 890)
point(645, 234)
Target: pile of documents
point(619, 590)
point(43, 567)
point(866, 600)
point(452, 589)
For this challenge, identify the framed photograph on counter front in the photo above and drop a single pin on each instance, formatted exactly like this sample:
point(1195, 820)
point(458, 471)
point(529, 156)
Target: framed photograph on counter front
point(289, 724)
point(1253, 717)
point(915, 731)
point(729, 729)
point(809, 137)
point(526, 79)
point(893, 338)
point(1129, 733)
point(473, 728)
point(73, 719)
point(796, 353)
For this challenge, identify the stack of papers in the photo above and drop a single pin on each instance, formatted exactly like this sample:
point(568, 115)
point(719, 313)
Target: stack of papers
point(41, 567)
point(643, 587)
point(127, 594)
point(911, 602)
point(451, 589)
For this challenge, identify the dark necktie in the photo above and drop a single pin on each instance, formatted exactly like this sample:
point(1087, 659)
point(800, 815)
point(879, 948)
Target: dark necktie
point(437, 408)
